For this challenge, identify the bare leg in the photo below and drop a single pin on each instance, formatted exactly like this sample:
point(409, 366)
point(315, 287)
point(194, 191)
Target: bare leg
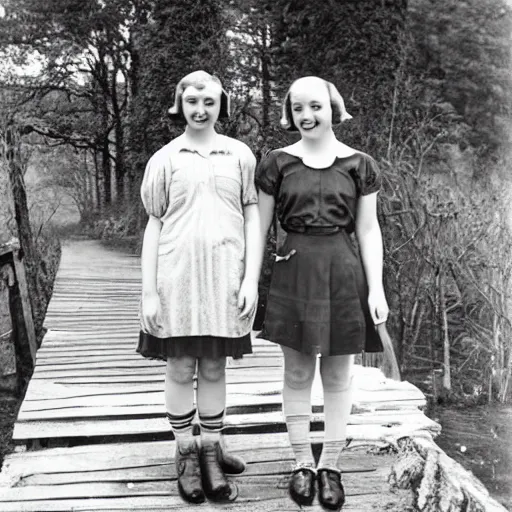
point(336, 373)
point(179, 397)
point(299, 372)
point(179, 400)
point(211, 404)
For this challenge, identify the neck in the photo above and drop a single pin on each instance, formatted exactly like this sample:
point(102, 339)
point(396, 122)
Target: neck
point(314, 146)
point(200, 138)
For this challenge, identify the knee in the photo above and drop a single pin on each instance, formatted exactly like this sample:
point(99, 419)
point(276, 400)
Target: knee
point(212, 370)
point(336, 377)
point(299, 377)
point(181, 370)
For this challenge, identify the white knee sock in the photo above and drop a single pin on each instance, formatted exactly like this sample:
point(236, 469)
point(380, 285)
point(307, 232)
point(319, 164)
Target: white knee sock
point(297, 412)
point(179, 403)
point(182, 428)
point(337, 408)
point(211, 402)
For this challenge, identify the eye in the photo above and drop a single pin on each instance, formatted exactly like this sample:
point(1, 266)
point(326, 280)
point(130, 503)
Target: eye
point(297, 108)
point(316, 107)
point(209, 103)
point(190, 100)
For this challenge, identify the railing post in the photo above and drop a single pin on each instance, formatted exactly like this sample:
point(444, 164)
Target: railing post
point(17, 331)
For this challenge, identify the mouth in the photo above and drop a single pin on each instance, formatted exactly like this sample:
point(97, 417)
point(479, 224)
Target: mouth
point(308, 126)
point(201, 120)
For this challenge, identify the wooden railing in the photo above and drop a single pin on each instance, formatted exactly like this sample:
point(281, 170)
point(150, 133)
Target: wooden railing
point(17, 335)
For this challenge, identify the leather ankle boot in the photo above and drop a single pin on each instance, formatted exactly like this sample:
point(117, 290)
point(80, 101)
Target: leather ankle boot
point(230, 463)
point(215, 483)
point(189, 473)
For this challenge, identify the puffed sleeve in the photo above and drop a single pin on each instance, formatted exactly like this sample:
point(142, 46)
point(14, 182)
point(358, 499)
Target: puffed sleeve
point(369, 175)
point(248, 166)
point(268, 177)
point(154, 190)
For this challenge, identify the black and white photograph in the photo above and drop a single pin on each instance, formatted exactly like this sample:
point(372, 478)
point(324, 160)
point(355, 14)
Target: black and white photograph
point(255, 255)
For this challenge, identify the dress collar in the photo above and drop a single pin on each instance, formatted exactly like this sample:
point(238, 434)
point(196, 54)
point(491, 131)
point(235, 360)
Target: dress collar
point(220, 146)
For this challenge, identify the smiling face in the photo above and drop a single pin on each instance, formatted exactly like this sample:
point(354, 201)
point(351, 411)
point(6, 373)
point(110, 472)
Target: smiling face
point(201, 105)
point(311, 109)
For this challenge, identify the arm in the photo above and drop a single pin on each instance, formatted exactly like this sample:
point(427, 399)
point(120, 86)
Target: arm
point(255, 237)
point(149, 263)
point(266, 204)
point(248, 294)
point(253, 246)
point(370, 243)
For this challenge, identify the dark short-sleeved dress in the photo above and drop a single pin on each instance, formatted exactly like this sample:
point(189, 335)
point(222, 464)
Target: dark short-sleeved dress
point(200, 201)
point(318, 297)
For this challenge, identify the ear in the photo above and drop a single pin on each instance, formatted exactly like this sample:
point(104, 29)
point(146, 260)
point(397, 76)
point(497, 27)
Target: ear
point(339, 112)
point(225, 105)
point(175, 111)
point(286, 120)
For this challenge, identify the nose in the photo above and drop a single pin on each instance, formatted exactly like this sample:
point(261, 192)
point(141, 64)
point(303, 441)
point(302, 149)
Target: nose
point(307, 113)
point(200, 108)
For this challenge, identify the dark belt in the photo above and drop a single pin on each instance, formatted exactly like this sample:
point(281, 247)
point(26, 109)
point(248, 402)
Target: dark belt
point(313, 230)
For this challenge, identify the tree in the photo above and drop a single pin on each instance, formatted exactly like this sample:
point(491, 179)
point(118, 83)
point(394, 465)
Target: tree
point(355, 45)
point(85, 50)
point(175, 39)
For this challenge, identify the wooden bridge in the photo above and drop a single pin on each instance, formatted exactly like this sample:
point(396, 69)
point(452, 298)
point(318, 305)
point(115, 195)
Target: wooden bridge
point(92, 433)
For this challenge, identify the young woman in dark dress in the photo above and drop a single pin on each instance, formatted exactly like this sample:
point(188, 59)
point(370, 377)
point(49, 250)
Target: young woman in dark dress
point(325, 296)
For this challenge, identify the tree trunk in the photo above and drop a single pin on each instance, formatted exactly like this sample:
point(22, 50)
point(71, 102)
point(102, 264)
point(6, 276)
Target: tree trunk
point(106, 171)
point(120, 169)
point(265, 79)
point(447, 384)
point(97, 180)
point(119, 166)
point(15, 169)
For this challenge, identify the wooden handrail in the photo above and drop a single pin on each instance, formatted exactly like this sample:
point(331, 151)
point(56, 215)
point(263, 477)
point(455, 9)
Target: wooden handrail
point(11, 256)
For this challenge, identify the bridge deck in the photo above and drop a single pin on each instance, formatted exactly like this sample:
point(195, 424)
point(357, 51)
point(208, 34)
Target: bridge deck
point(92, 432)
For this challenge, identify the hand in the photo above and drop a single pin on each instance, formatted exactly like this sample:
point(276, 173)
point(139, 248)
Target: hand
point(151, 314)
point(247, 298)
point(378, 306)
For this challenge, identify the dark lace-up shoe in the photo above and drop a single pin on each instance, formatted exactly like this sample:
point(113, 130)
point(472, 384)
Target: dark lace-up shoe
point(230, 463)
point(302, 485)
point(331, 494)
point(189, 473)
point(215, 483)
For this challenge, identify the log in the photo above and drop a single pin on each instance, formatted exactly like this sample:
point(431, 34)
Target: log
point(439, 483)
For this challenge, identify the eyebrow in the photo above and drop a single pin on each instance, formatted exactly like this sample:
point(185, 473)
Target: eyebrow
point(302, 102)
point(192, 95)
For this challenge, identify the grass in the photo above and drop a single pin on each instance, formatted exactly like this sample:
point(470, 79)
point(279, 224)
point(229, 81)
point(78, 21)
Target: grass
point(8, 411)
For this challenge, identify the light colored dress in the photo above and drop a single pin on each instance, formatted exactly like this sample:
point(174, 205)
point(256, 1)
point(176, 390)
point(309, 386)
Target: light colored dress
point(200, 199)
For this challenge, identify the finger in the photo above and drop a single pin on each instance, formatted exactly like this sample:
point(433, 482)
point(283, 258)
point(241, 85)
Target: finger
point(149, 323)
point(152, 321)
point(248, 309)
point(245, 312)
point(241, 299)
point(381, 316)
point(374, 315)
point(158, 322)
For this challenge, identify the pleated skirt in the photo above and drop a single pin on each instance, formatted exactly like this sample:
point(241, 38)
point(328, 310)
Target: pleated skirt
point(212, 347)
point(318, 298)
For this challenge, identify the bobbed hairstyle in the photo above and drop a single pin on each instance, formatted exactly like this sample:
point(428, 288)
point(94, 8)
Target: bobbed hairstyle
point(339, 112)
point(198, 79)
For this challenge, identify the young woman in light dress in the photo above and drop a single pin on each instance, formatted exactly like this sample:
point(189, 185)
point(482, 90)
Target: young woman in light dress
point(201, 259)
